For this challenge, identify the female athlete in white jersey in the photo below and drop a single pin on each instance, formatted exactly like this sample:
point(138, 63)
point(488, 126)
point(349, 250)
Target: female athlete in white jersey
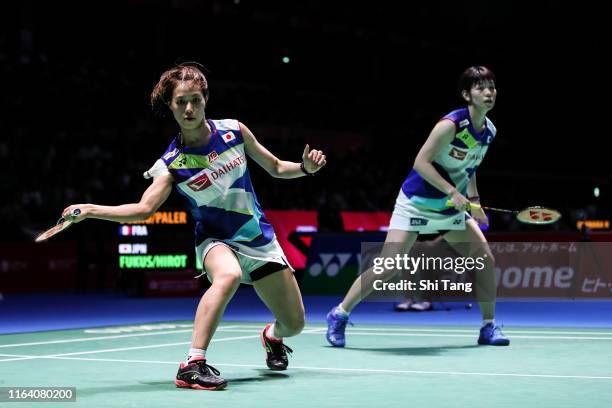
point(234, 242)
point(444, 170)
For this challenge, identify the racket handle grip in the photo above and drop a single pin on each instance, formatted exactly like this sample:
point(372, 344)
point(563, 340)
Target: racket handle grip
point(74, 213)
point(472, 205)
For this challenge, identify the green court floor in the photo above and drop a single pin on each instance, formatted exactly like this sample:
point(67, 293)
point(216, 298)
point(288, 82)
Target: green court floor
point(395, 366)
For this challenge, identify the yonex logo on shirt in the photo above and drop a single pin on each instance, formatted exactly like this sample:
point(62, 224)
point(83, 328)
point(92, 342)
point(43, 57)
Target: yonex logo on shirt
point(212, 156)
point(466, 137)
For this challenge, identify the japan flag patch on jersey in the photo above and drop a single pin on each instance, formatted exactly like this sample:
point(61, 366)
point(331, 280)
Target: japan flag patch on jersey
point(228, 137)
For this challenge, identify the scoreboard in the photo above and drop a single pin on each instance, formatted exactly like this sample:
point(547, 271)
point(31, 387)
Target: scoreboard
point(156, 256)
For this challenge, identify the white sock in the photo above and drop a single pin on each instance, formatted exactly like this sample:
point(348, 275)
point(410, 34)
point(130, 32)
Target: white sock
point(340, 312)
point(196, 353)
point(271, 334)
point(487, 321)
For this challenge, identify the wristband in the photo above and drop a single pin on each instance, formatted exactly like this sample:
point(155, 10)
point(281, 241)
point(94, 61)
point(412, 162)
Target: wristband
point(303, 168)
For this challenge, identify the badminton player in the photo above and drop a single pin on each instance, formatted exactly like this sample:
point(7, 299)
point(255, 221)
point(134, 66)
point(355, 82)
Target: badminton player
point(207, 162)
point(444, 169)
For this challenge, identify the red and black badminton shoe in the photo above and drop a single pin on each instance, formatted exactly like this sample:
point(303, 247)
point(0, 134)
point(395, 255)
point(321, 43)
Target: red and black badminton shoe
point(200, 376)
point(276, 351)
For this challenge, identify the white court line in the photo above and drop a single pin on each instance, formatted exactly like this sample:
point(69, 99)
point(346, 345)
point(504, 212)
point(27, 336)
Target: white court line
point(118, 336)
point(360, 370)
point(393, 329)
point(84, 339)
point(358, 332)
point(127, 348)
point(353, 332)
point(229, 329)
point(472, 330)
point(136, 347)
point(16, 355)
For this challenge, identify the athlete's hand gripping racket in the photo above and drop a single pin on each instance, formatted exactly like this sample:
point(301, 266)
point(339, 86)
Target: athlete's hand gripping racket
point(530, 215)
point(60, 226)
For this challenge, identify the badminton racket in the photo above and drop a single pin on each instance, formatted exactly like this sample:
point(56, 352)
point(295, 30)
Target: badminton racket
point(530, 215)
point(60, 226)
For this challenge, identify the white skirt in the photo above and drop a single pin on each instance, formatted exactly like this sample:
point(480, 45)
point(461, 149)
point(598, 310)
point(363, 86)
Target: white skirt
point(408, 217)
point(249, 258)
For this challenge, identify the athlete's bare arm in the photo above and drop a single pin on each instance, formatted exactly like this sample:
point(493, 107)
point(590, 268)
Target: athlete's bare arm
point(441, 135)
point(151, 200)
point(313, 159)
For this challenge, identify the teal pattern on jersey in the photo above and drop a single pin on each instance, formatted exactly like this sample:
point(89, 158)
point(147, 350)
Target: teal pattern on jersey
point(214, 179)
point(456, 163)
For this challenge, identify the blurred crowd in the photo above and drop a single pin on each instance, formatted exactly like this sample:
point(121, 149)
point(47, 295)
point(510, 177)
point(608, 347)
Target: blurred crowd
point(76, 125)
point(72, 145)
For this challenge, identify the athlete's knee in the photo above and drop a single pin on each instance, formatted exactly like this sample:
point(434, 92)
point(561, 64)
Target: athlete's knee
point(295, 323)
point(229, 279)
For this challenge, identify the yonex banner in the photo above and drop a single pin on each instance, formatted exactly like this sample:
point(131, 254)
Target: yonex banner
point(334, 261)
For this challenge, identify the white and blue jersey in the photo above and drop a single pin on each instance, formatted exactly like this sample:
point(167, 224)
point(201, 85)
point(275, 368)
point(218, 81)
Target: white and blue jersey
point(456, 163)
point(422, 207)
point(214, 179)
